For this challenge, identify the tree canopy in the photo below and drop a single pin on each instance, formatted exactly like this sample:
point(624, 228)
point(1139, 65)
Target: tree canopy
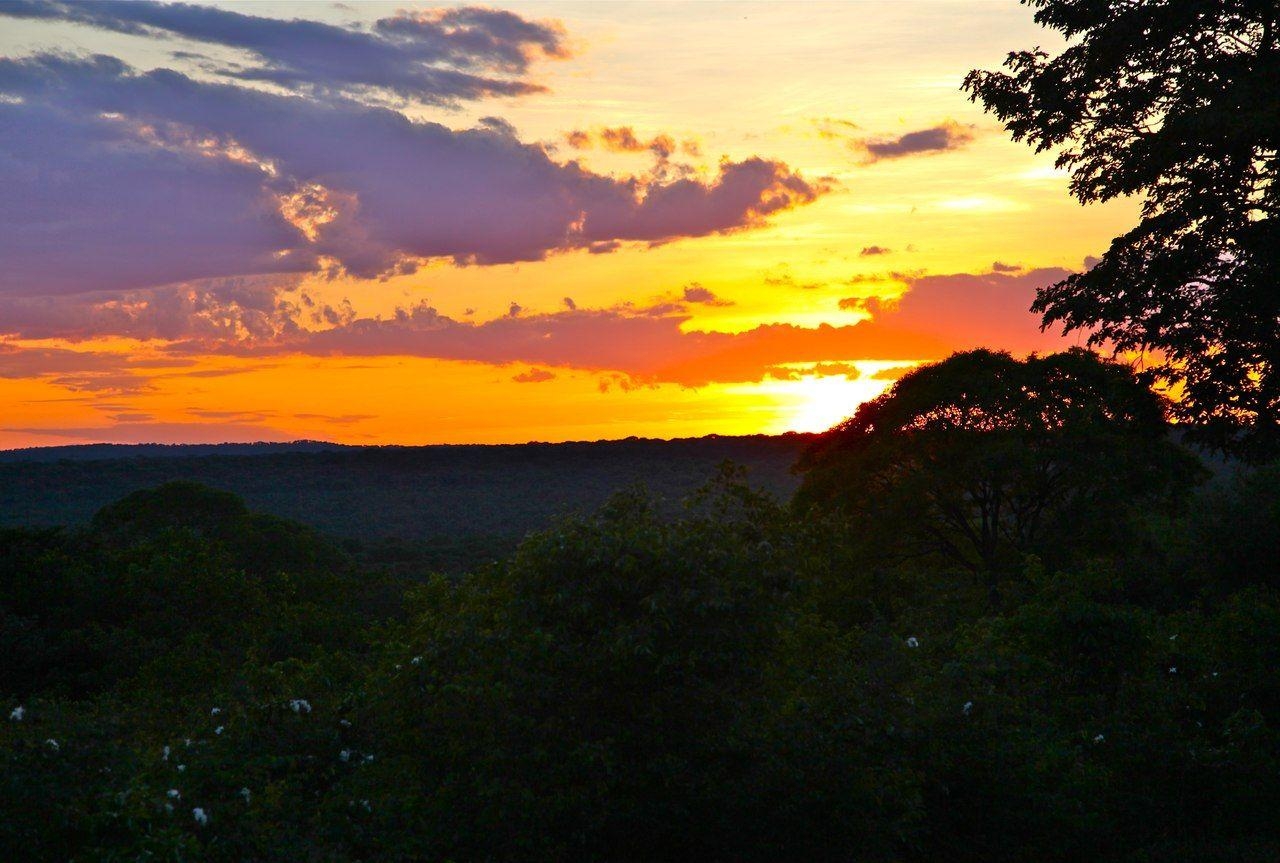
point(976, 457)
point(728, 680)
point(1177, 101)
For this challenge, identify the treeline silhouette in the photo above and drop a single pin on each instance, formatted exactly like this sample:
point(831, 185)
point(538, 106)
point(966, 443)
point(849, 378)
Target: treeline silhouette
point(1059, 644)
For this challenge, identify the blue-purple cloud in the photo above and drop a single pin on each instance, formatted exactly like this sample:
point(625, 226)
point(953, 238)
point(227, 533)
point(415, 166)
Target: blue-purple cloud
point(945, 136)
point(114, 179)
point(433, 56)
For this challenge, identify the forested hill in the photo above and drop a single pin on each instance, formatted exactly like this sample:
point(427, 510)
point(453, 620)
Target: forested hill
point(440, 494)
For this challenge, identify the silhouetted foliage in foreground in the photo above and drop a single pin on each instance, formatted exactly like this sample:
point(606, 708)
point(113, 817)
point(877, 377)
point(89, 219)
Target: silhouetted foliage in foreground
point(1175, 103)
point(983, 459)
point(186, 680)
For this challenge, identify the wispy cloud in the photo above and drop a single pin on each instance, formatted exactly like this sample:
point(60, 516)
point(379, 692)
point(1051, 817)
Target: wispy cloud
point(438, 56)
point(941, 138)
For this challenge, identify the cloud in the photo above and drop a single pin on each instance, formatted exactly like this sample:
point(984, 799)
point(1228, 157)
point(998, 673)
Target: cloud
point(161, 432)
point(437, 56)
point(623, 139)
point(231, 308)
point(696, 293)
point(647, 345)
point(81, 371)
point(533, 376)
point(948, 135)
point(642, 344)
point(998, 267)
point(834, 129)
point(848, 370)
point(782, 278)
point(113, 180)
point(969, 310)
point(871, 251)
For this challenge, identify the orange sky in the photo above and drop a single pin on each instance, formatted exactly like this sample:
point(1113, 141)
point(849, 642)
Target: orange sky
point(579, 221)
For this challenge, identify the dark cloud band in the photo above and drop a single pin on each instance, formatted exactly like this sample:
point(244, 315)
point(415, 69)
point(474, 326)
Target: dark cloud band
point(434, 56)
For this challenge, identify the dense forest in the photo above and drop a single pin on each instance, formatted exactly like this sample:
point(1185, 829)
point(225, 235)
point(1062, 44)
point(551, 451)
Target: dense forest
point(1005, 617)
point(443, 507)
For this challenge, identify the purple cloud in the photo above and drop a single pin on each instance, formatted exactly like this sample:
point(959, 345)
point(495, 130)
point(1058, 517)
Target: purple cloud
point(114, 180)
point(948, 135)
point(433, 56)
point(697, 294)
point(533, 376)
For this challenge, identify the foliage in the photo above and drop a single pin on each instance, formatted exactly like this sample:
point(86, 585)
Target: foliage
point(414, 509)
point(731, 681)
point(983, 459)
point(1178, 102)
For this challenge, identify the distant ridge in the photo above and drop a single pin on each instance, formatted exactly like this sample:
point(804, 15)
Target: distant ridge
point(100, 451)
point(454, 498)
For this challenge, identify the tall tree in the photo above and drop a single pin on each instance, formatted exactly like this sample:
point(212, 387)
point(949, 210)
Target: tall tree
point(980, 458)
point(1177, 101)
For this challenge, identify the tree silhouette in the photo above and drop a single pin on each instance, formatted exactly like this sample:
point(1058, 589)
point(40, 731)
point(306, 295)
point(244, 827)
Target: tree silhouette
point(1178, 102)
point(978, 457)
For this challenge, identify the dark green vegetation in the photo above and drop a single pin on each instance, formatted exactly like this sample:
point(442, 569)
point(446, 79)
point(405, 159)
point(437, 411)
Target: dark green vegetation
point(738, 680)
point(1177, 101)
point(445, 507)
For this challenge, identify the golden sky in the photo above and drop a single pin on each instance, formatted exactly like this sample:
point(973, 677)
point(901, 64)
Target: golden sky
point(388, 223)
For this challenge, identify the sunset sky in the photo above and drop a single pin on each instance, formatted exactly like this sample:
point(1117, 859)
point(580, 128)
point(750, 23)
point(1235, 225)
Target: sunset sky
point(397, 223)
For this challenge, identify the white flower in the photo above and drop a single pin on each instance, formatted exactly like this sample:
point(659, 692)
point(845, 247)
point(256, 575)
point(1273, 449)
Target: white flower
point(201, 817)
point(365, 804)
point(53, 744)
point(344, 723)
point(967, 709)
point(186, 741)
point(368, 758)
point(17, 713)
point(345, 755)
point(300, 705)
point(218, 730)
point(164, 754)
point(182, 768)
point(244, 792)
point(215, 711)
point(913, 642)
point(1099, 738)
point(417, 660)
point(175, 794)
point(1173, 669)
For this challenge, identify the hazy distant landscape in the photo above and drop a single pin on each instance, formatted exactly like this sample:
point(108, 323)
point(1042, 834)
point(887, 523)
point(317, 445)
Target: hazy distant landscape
point(455, 506)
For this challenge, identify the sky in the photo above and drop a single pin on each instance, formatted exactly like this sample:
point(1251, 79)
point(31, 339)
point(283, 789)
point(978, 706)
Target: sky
point(398, 223)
